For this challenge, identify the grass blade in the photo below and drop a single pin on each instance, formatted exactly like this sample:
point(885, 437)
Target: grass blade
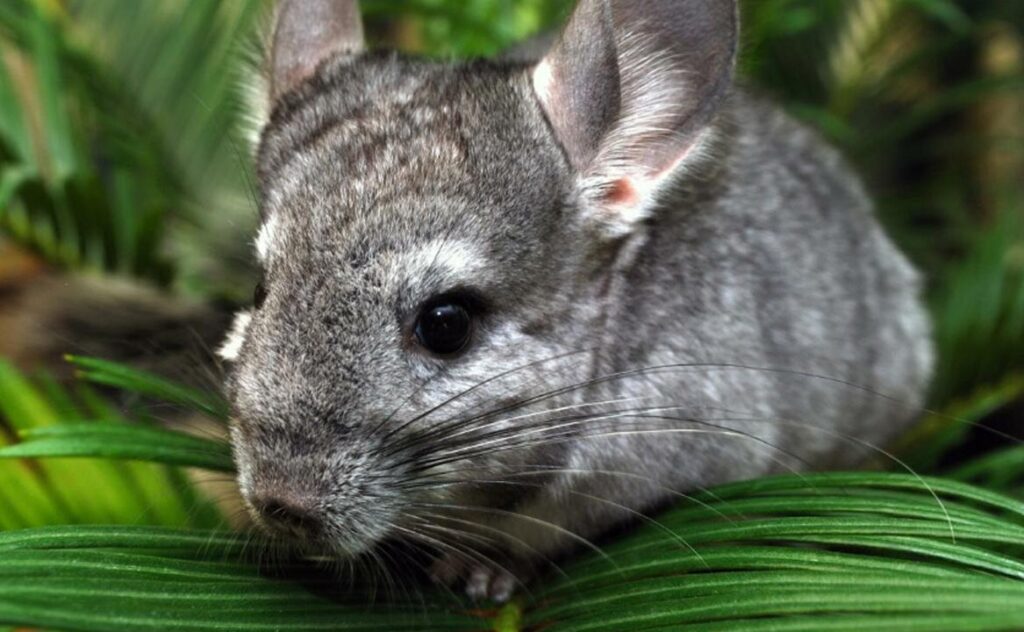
point(119, 441)
point(136, 381)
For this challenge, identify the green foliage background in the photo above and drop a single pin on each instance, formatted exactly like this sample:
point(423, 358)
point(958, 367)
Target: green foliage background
point(123, 151)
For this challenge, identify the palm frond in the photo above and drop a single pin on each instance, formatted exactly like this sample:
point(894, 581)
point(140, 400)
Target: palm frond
point(817, 552)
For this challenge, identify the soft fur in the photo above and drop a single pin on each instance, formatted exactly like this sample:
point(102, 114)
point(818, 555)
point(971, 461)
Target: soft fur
point(745, 314)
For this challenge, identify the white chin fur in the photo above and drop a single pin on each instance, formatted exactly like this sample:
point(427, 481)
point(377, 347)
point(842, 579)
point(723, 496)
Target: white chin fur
point(266, 238)
point(233, 345)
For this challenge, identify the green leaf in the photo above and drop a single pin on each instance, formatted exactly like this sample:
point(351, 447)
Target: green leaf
point(1002, 469)
point(121, 441)
point(137, 381)
point(940, 431)
point(94, 579)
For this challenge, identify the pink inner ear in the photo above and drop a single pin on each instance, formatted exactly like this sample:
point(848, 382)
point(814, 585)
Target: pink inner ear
point(622, 191)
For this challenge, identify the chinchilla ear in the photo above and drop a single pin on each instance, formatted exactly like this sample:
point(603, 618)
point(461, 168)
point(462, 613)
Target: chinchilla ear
point(630, 90)
point(306, 32)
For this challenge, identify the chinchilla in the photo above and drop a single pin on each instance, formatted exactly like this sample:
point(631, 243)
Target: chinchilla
point(508, 305)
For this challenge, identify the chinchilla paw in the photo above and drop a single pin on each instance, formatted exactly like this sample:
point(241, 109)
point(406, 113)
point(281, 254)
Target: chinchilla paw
point(485, 583)
point(481, 582)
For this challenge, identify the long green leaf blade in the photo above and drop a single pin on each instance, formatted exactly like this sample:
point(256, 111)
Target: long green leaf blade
point(121, 441)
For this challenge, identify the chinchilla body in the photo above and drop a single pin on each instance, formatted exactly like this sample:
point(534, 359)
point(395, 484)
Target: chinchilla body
point(508, 306)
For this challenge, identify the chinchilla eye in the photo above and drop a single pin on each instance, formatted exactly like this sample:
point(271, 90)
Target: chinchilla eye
point(444, 327)
point(259, 295)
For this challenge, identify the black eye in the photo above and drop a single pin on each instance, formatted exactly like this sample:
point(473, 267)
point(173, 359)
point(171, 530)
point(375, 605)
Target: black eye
point(444, 327)
point(259, 295)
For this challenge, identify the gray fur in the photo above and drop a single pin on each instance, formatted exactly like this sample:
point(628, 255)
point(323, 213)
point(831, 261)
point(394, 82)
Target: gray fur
point(755, 277)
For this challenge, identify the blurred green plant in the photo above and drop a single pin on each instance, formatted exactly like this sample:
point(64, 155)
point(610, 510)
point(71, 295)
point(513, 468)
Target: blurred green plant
point(43, 418)
point(122, 150)
point(78, 203)
point(461, 29)
point(119, 128)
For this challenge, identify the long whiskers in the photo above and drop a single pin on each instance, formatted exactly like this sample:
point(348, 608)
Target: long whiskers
point(524, 438)
point(517, 516)
point(459, 422)
point(435, 482)
point(504, 535)
point(870, 446)
point(611, 503)
point(463, 393)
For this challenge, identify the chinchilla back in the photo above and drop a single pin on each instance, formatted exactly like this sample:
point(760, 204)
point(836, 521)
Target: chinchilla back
point(771, 257)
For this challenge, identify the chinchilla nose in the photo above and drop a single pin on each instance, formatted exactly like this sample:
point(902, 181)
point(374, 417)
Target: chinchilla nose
point(288, 514)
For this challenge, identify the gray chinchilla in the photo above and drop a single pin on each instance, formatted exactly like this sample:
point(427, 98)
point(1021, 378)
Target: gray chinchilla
point(510, 305)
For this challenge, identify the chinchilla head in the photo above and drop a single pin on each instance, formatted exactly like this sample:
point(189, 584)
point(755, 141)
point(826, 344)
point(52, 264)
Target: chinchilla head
point(436, 241)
